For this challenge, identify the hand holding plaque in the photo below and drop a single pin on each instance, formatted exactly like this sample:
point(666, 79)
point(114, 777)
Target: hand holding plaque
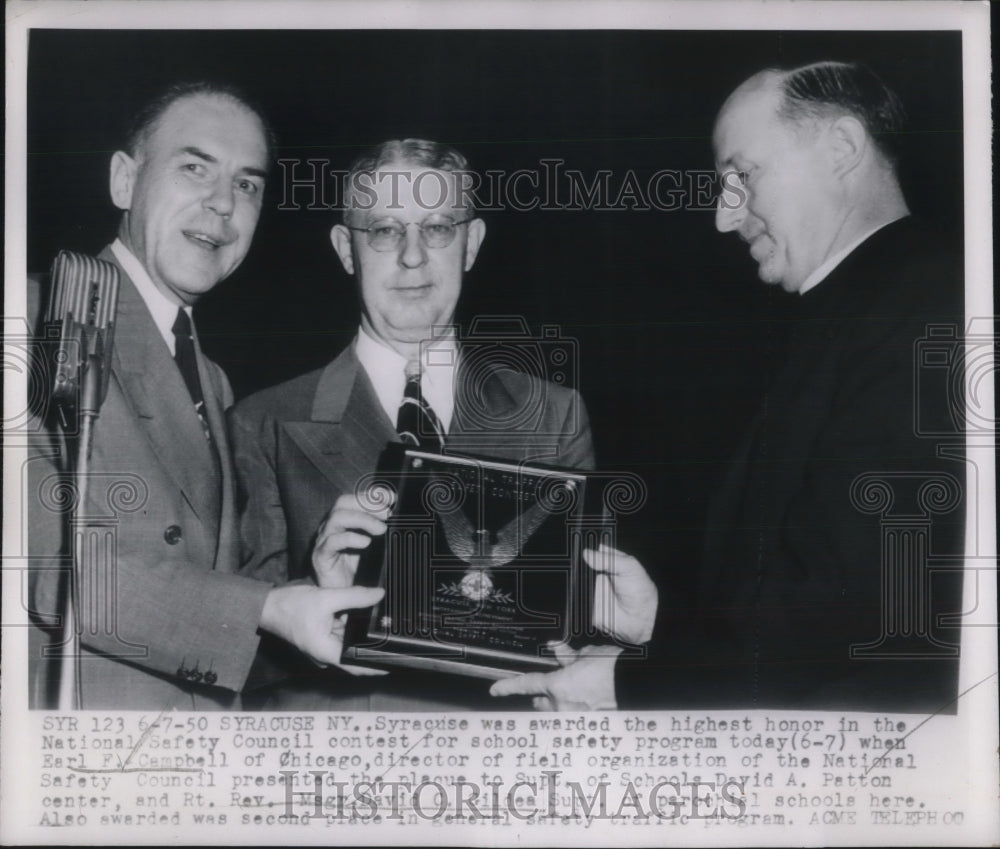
point(346, 532)
point(481, 563)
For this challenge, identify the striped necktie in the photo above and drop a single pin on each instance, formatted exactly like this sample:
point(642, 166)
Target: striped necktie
point(416, 422)
point(188, 365)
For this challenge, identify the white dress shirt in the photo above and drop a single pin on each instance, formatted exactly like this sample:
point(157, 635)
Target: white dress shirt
point(161, 308)
point(387, 371)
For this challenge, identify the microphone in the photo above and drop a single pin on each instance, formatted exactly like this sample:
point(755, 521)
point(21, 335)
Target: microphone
point(81, 311)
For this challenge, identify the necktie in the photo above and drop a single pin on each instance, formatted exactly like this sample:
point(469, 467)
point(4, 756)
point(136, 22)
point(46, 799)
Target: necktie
point(188, 365)
point(416, 422)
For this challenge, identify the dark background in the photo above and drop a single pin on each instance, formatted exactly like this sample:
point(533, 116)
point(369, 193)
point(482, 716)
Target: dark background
point(673, 330)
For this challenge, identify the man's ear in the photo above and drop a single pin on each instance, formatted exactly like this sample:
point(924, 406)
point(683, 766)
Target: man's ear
point(340, 238)
point(122, 179)
point(477, 232)
point(848, 142)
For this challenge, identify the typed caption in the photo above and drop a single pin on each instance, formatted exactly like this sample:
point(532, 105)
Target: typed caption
point(294, 776)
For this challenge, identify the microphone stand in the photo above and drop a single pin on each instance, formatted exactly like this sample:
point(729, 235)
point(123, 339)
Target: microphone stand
point(70, 694)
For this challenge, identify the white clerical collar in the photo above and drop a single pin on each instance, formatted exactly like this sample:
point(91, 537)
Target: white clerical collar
point(821, 273)
point(387, 370)
point(161, 308)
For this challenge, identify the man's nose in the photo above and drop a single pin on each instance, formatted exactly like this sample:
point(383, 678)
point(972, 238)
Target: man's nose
point(729, 212)
point(412, 253)
point(221, 198)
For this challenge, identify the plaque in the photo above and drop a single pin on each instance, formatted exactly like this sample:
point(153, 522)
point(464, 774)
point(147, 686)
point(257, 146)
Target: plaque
point(481, 565)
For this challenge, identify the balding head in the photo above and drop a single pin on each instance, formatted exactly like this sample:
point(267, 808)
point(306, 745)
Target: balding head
point(825, 91)
point(766, 84)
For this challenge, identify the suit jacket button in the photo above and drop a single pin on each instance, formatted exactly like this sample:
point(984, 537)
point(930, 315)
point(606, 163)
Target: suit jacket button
point(211, 677)
point(173, 534)
point(182, 672)
point(194, 675)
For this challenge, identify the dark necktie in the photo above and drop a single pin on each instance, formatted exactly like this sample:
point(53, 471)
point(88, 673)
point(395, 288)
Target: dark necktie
point(188, 365)
point(416, 422)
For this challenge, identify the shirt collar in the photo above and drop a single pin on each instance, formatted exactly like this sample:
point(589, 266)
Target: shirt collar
point(386, 369)
point(824, 270)
point(161, 308)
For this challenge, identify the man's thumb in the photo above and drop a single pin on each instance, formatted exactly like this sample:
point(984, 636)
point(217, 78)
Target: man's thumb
point(349, 598)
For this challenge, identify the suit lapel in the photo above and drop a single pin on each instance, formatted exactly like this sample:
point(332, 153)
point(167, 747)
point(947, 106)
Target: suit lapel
point(499, 406)
point(151, 382)
point(217, 397)
point(348, 429)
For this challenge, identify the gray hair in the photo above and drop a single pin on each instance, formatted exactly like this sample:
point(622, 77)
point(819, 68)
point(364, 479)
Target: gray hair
point(413, 152)
point(831, 89)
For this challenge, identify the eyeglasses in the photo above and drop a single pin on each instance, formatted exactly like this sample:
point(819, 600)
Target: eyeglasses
point(386, 234)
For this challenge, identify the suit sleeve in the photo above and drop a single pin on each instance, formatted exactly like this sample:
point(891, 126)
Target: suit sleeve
point(160, 614)
point(576, 446)
point(263, 529)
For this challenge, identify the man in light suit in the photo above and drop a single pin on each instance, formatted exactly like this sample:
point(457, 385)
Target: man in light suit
point(799, 604)
point(409, 235)
point(168, 622)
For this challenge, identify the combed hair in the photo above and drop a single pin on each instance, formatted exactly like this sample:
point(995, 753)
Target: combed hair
point(419, 153)
point(145, 118)
point(831, 89)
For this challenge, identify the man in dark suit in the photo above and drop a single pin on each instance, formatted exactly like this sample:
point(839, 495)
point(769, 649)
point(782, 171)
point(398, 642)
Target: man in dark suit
point(168, 622)
point(815, 589)
point(409, 235)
